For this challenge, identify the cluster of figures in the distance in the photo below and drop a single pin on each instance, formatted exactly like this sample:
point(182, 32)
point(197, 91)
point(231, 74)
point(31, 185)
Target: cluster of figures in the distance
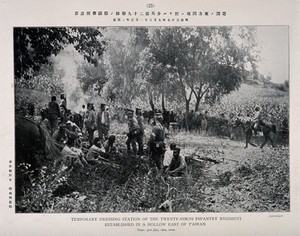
point(69, 129)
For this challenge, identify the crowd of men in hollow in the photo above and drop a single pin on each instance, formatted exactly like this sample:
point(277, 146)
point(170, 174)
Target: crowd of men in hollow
point(68, 129)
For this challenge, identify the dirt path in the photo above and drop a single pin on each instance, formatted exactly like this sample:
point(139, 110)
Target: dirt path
point(251, 179)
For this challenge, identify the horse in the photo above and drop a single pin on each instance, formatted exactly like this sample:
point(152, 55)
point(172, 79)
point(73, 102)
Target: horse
point(32, 140)
point(34, 148)
point(248, 128)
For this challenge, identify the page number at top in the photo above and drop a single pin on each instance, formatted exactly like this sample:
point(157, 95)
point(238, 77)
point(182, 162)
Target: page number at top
point(150, 5)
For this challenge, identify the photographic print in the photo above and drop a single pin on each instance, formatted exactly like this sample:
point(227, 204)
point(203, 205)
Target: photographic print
point(152, 119)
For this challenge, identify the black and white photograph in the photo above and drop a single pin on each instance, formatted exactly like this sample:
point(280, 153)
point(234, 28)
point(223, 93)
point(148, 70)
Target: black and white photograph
point(151, 119)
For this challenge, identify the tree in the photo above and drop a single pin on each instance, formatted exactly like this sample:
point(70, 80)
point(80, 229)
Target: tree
point(202, 61)
point(92, 78)
point(34, 46)
point(174, 49)
point(128, 66)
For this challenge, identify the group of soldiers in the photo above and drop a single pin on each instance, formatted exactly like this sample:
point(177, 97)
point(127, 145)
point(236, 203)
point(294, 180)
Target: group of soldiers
point(69, 129)
point(173, 164)
point(195, 121)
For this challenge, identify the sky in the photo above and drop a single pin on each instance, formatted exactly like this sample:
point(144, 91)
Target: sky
point(273, 42)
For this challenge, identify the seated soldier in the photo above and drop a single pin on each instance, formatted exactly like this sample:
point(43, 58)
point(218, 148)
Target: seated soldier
point(73, 131)
point(96, 134)
point(44, 120)
point(71, 155)
point(95, 152)
point(169, 155)
point(109, 145)
point(177, 166)
point(59, 136)
point(71, 126)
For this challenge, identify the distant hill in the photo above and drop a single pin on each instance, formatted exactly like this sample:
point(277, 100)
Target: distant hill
point(267, 83)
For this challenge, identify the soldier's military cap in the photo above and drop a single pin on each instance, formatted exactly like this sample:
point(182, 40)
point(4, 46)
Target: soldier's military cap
point(129, 110)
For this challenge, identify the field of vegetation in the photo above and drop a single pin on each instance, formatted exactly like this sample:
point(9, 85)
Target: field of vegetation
point(274, 103)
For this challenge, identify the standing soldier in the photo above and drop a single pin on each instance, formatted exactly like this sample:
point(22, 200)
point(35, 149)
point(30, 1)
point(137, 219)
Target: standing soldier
point(140, 120)
point(179, 119)
point(232, 126)
point(53, 114)
point(90, 122)
point(156, 142)
point(82, 111)
point(103, 123)
point(63, 105)
point(134, 132)
point(204, 122)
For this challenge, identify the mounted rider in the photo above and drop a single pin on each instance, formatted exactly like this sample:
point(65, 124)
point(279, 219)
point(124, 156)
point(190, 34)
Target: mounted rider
point(256, 120)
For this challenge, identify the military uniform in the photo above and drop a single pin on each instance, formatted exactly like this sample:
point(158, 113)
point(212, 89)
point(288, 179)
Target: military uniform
point(156, 145)
point(53, 115)
point(256, 120)
point(63, 111)
point(204, 122)
point(90, 123)
point(103, 123)
point(133, 134)
point(140, 120)
point(93, 153)
point(177, 166)
point(179, 118)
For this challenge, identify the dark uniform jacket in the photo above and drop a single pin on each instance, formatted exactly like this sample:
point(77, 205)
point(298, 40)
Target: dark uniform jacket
point(53, 110)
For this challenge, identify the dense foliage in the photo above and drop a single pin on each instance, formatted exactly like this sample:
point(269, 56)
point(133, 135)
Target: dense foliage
point(34, 46)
